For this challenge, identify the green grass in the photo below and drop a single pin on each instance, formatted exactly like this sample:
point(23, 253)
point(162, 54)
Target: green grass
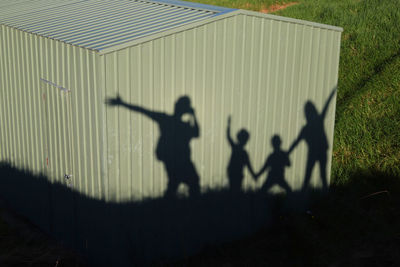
point(255, 5)
point(367, 126)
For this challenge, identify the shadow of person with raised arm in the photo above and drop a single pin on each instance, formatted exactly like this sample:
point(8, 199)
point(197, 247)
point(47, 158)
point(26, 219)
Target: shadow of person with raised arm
point(314, 135)
point(173, 147)
point(239, 158)
point(276, 163)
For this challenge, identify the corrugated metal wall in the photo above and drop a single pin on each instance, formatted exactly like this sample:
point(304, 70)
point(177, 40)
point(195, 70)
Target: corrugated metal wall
point(258, 70)
point(43, 127)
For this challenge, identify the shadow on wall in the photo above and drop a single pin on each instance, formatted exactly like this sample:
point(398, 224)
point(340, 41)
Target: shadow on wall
point(126, 234)
point(173, 148)
point(313, 133)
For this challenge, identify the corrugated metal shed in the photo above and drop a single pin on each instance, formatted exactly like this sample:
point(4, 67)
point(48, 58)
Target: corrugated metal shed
point(100, 24)
point(62, 61)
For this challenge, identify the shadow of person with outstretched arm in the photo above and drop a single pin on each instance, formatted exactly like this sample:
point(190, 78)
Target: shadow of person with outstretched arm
point(239, 158)
point(173, 146)
point(314, 135)
point(276, 162)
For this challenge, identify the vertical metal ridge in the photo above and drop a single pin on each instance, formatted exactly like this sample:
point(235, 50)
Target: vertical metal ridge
point(67, 81)
point(214, 90)
point(173, 67)
point(233, 57)
point(82, 122)
point(259, 155)
point(104, 175)
point(129, 156)
point(132, 62)
point(24, 113)
point(163, 106)
point(61, 157)
point(308, 45)
point(203, 89)
point(14, 120)
point(329, 56)
point(292, 119)
point(14, 146)
point(310, 68)
point(140, 119)
point(3, 131)
point(322, 65)
point(89, 88)
point(250, 90)
point(283, 99)
point(54, 122)
point(86, 120)
point(57, 105)
point(277, 64)
point(36, 103)
point(40, 158)
point(117, 178)
point(40, 71)
point(77, 136)
point(183, 76)
point(28, 101)
point(1, 98)
point(197, 68)
point(316, 60)
point(223, 83)
point(47, 128)
point(239, 88)
point(11, 146)
point(313, 81)
point(268, 82)
point(14, 115)
point(153, 127)
point(5, 110)
point(242, 56)
point(295, 164)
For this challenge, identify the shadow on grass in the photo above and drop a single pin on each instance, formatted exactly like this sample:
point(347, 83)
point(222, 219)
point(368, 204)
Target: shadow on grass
point(125, 234)
point(356, 224)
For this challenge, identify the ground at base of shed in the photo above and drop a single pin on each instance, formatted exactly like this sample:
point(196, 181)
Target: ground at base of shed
point(23, 244)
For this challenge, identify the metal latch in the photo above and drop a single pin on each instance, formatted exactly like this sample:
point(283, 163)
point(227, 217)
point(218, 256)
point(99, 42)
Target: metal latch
point(63, 89)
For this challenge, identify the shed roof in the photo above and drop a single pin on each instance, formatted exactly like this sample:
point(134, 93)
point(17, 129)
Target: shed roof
point(101, 24)
point(109, 25)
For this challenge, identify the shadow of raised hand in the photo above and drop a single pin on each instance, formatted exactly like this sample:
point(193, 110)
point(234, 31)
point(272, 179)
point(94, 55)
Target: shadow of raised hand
point(114, 101)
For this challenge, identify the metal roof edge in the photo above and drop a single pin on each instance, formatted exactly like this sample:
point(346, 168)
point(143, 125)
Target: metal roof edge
point(168, 32)
point(291, 20)
point(231, 13)
point(193, 5)
point(39, 9)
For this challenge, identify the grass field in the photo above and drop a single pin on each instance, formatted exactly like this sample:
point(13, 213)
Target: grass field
point(353, 226)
